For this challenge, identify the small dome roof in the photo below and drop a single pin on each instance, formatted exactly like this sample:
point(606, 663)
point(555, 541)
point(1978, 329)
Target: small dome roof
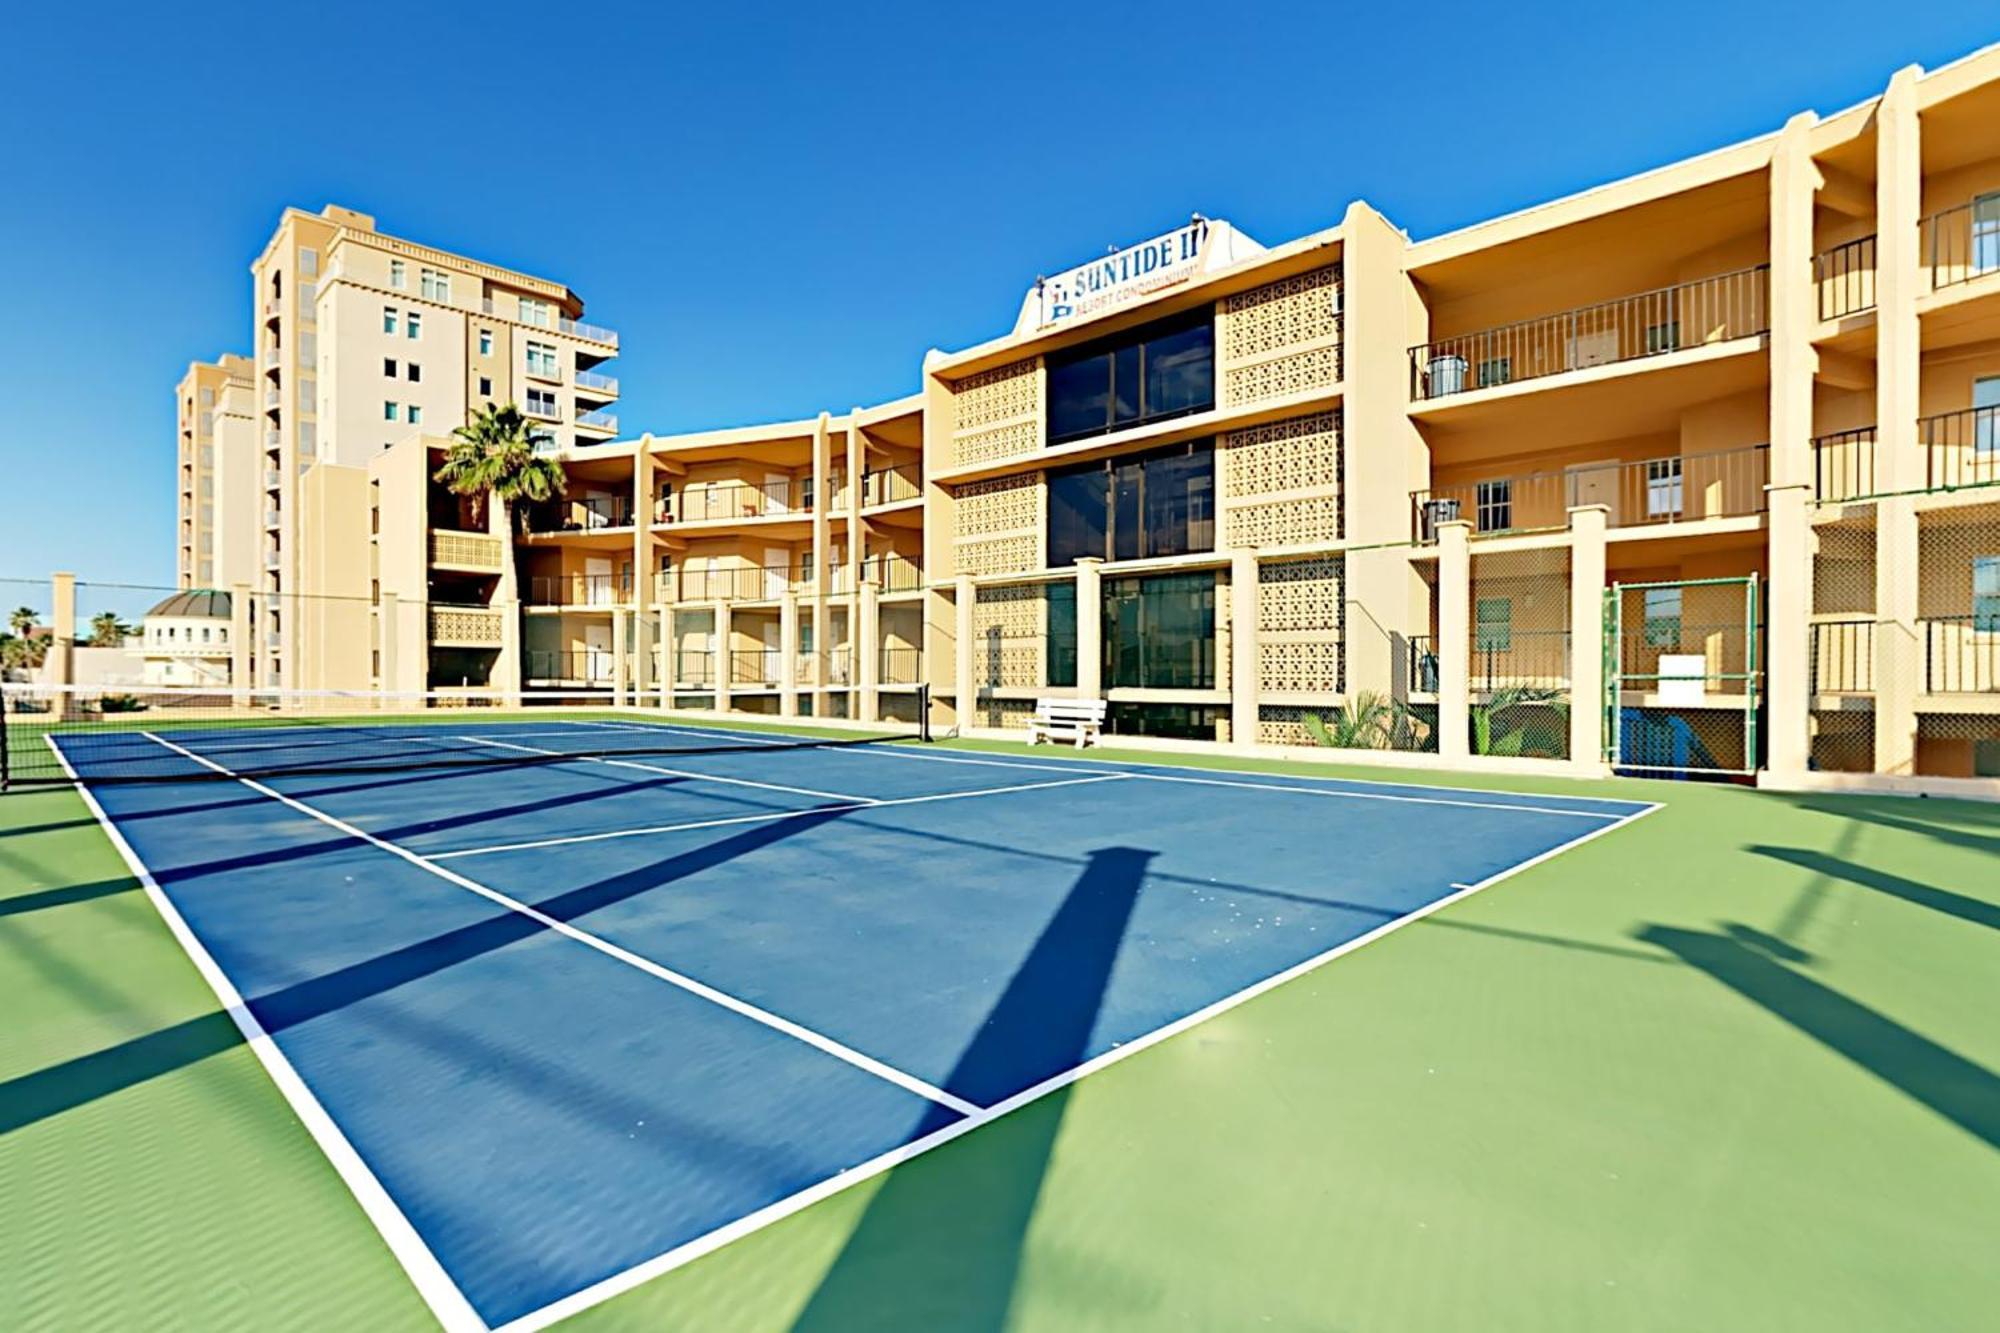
point(209, 602)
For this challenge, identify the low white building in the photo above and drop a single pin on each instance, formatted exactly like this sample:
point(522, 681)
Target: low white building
point(185, 639)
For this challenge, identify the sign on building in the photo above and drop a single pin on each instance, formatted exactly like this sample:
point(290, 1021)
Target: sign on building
point(1136, 271)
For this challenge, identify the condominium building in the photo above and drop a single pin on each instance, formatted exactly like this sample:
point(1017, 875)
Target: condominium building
point(1696, 472)
point(214, 422)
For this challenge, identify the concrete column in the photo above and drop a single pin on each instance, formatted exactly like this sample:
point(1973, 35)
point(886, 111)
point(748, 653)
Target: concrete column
point(620, 638)
point(1899, 463)
point(1245, 676)
point(643, 593)
point(857, 461)
point(1454, 639)
point(670, 664)
point(61, 669)
point(788, 655)
point(390, 613)
point(1794, 310)
point(822, 539)
point(642, 653)
point(507, 667)
point(965, 682)
point(868, 644)
point(723, 666)
point(1587, 527)
point(239, 644)
point(1090, 627)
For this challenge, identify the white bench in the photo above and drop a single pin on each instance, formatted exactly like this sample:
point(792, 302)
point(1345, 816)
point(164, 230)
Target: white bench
point(1077, 720)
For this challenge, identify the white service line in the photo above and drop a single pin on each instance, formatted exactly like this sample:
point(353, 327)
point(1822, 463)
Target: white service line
point(1379, 796)
point(673, 772)
point(433, 1284)
point(645, 1272)
point(908, 1082)
point(883, 804)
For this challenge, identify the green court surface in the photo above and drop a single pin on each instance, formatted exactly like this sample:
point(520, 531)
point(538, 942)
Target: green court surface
point(1732, 1066)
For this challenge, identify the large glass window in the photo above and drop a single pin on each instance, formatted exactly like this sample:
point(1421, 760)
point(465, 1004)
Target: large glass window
point(1062, 633)
point(1159, 633)
point(1140, 505)
point(1161, 370)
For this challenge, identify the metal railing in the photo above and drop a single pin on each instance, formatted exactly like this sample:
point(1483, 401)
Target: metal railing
point(1843, 656)
point(1538, 657)
point(725, 583)
point(892, 573)
point(1728, 483)
point(707, 502)
point(576, 328)
point(1961, 654)
point(274, 398)
point(694, 666)
point(273, 479)
point(1844, 464)
point(830, 666)
point(590, 379)
point(1961, 448)
point(1422, 664)
point(1962, 243)
point(581, 515)
point(902, 664)
point(1845, 278)
point(542, 410)
point(891, 485)
point(754, 666)
point(1669, 319)
point(571, 666)
point(579, 589)
point(598, 420)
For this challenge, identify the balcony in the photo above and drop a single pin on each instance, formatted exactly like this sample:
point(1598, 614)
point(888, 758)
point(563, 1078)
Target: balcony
point(694, 666)
point(273, 400)
point(592, 382)
point(892, 485)
point(1845, 278)
point(901, 665)
point(733, 583)
point(598, 421)
point(473, 552)
point(543, 409)
point(592, 667)
point(275, 364)
point(834, 667)
point(754, 666)
point(272, 310)
point(579, 590)
point(891, 573)
point(271, 518)
point(596, 333)
point(1962, 654)
point(1961, 448)
point(273, 479)
point(1505, 658)
point(271, 561)
point(727, 500)
point(1843, 656)
point(581, 516)
point(1962, 243)
point(273, 439)
point(1674, 489)
point(1844, 464)
point(1655, 323)
point(465, 626)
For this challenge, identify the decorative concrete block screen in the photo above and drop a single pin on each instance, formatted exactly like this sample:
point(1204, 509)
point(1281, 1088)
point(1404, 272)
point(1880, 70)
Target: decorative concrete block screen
point(1280, 482)
point(999, 524)
point(1280, 339)
point(998, 414)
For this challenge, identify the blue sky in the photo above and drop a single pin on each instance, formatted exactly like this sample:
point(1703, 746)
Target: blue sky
point(781, 207)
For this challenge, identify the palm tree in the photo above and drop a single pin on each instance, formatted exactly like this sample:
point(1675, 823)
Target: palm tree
point(492, 457)
point(1521, 719)
point(22, 620)
point(107, 630)
point(1364, 724)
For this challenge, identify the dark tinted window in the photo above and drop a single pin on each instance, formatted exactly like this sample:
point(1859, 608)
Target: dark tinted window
point(1161, 370)
point(1158, 503)
point(1159, 633)
point(1062, 633)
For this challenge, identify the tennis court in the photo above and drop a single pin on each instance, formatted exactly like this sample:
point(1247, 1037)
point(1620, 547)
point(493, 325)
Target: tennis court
point(572, 1000)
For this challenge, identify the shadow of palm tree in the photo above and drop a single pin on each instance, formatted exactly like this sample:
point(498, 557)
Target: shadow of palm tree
point(941, 1242)
point(1974, 910)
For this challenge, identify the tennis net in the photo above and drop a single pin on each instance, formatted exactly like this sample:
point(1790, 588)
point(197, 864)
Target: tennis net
point(106, 734)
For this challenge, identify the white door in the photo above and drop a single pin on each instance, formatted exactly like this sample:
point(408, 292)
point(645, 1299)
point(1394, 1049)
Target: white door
point(777, 571)
point(1595, 484)
point(772, 647)
point(596, 654)
point(777, 493)
point(597, 580)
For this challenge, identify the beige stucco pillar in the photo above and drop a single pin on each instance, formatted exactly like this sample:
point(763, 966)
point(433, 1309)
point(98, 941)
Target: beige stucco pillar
point(1089, 628)
point(389, 612)
point(1244, 675)
point(1454, 639)
point(61, 669)
point(1587, 527)
point(723, 664)
point(644, 594)
point(822, 540)
point(788, 655)
point(239, 644)
point(1899, 464)
point(507, 666)
point(868, 646)
point(964, 683)
point(620, 641)
point(1794, 311)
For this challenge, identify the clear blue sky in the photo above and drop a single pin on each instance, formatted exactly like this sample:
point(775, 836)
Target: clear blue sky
point(781, 207)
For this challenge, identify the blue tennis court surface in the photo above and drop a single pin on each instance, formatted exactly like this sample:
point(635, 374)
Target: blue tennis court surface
point(586, 1015)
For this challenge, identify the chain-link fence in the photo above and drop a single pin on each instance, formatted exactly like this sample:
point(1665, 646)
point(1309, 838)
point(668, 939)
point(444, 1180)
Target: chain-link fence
point(1685, 683)
point(1519, 664)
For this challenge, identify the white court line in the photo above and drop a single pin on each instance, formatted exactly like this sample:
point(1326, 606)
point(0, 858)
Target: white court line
point(645, 1272)
point(1378, 796)
point(433, 1284)
point(908, 1082)
point(672, 772)
point(884, 803)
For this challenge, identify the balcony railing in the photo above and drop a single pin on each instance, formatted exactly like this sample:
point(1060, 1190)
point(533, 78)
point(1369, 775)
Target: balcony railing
point(598, 420)
point(729, 583)
point(891, 573)
point(1679, 487)
point(1671, 319)
point(694, 666)
point(542, 409)
point(273, 479)
point(273, 309)
point(465, 626)
point(596, 333)
point(591, 380)
point(1962, 654)
point(831, 666)
point(1963, 243)
point(274, 398)
point(754, 666)
point(892, 485)
point(581, 516)
point(579, 589)
point(1961, 448)
point(703, 502)
point(466, 550)
point(274, 439)
point(1843, 656)
point(1844, 464)
point(1422, 664)
point(902, 664)
point(1845, 277)
point(1515, 657)
point(571, 666)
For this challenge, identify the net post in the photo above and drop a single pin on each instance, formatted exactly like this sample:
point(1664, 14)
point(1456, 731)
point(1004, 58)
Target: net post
point(924, 711)
point(6, 745)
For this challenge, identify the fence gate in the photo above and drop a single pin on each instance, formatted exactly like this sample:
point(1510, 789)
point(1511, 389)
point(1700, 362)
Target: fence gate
point(1683, 676)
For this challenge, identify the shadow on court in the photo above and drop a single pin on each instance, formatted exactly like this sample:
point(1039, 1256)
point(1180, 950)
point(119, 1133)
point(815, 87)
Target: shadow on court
point(941, 1242)
point(1974, 910)
point(63, 1087)
point(1755, 966)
